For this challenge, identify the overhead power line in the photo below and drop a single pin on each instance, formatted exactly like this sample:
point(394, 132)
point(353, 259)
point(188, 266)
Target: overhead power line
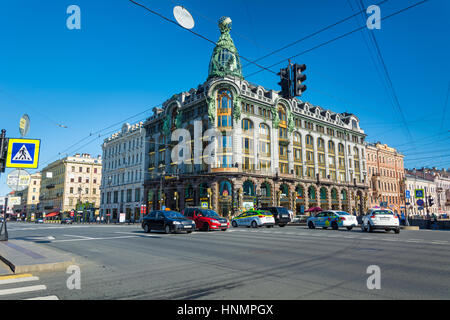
point(313, 34)
point(338, 37)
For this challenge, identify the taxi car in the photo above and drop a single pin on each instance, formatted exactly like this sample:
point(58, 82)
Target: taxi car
point(380, 219)
point(254, 219)
point(333, 219)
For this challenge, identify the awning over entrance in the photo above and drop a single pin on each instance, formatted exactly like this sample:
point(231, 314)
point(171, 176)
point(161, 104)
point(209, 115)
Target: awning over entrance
point(51, 214)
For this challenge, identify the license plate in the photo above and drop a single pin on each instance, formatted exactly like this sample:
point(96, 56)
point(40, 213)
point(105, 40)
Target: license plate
point(223, 225)
point(188, 226)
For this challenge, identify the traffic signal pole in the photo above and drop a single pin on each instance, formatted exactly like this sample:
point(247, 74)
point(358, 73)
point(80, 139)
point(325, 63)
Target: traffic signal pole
point(3, 149)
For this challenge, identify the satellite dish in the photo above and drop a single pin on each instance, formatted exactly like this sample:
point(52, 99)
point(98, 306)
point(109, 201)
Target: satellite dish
point(183, 17)
point(24, 125)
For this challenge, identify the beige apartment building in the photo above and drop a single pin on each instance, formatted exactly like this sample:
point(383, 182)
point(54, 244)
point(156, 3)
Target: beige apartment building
point(30, 196)
point(69, 182)
point(386, 177)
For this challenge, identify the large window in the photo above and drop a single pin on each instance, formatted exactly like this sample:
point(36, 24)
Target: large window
point(224, 108)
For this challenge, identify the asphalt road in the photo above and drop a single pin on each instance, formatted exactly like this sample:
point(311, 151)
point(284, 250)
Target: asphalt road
point(123, 262)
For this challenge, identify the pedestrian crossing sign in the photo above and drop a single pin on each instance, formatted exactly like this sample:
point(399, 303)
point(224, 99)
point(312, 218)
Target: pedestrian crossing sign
point(23, 153)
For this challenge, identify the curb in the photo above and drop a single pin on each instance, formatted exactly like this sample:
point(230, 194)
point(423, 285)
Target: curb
point(409, 227)
point(53, 266)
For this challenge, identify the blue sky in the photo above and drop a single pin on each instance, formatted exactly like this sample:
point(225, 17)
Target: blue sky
point(125, 60)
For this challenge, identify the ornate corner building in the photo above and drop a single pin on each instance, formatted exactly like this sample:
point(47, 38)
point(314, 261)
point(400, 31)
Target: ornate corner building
point(273, 152)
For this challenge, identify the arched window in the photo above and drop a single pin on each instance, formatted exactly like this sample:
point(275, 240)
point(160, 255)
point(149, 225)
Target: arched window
point(297, 139)
point(343, 195)
point(282, 113)
point(309, 142)
point(247, 125)
point(248, 188)
point(300, 192)
point(341, 149)
point(320, 144)
point(224, 108)
point(312, 193)
point(284, 190)
point(225, 188)
point(331, 147)
point(265, 189)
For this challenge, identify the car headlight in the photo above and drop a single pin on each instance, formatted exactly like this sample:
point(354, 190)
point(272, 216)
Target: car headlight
point(215, 221)
point(176, 222)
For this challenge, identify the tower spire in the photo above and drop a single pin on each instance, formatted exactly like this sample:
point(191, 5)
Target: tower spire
point(225, 58)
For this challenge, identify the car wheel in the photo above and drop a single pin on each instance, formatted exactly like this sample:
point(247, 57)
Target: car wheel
point(281, 225)
point(363, 228)
point(224, 229)
point(311, 225)
point(254, 224)
point(146, 228)
point(349, 228)
point(167, 229)
point(334, 225)
point(205, 227)
point(189, 231)
point(397, 230)
point(325, 228)
point(234, 224)
point(370, 228)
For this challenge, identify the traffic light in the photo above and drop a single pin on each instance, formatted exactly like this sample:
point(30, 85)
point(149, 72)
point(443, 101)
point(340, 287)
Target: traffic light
point(430, 201)
point(298, 79)
point(285, 83)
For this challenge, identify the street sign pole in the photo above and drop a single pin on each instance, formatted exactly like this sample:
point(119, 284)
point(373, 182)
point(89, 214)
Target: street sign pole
point(3, 229)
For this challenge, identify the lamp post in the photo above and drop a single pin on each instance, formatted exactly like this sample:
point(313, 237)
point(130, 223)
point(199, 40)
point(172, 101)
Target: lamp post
point(3, 229)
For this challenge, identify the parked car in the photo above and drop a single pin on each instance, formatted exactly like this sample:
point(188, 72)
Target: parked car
point(380, 219)
point(333, 219)
point(39, 220)
point(206, 219)
point(300, 218)
point(66, 221)
point(254, 219)
point(280, 214)
point(169, 221)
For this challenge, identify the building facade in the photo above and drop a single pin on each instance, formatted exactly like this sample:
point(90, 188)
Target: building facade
point(124, 169)
point(415, 180)
point(30, 196)
point(71, 183)
point(386, 177)
point(438, 187)
point(265, 150)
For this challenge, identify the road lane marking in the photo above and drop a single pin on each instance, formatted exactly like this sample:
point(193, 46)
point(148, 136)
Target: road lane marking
point(44, 298)
point(138, 234)
point(73, 235)
point(17, 280)
point(15, 276)
point(108, 238)
point(22, 290)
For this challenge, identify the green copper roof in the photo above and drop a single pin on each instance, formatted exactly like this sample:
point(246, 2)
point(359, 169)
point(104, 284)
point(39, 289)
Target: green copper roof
point(225, 58)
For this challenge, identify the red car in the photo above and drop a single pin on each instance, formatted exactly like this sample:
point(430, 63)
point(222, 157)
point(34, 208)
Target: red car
point(206, 219)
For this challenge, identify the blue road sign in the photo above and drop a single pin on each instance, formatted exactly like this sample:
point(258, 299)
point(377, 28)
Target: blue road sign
point(23, 153)
point(407, 194)
point(420, 202)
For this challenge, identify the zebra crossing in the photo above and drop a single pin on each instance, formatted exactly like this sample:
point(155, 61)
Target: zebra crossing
point(23, 287)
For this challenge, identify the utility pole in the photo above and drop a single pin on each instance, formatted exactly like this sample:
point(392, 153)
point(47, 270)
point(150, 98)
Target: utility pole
point(3, 151)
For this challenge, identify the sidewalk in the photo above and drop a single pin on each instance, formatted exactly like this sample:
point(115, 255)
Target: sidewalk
point(25, 256)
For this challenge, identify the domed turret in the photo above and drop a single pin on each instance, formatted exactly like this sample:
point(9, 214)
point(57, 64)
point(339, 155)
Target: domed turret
point(225, 58)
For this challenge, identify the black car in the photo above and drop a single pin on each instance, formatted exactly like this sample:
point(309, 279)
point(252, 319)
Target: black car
point(66, 221)
point(169, 221)
point(281, 215)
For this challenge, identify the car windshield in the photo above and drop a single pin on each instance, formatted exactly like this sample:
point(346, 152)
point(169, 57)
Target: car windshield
point(173, 215)
point(379, 212)
point(283, 210)
point(209, 213)
point(343, 213)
